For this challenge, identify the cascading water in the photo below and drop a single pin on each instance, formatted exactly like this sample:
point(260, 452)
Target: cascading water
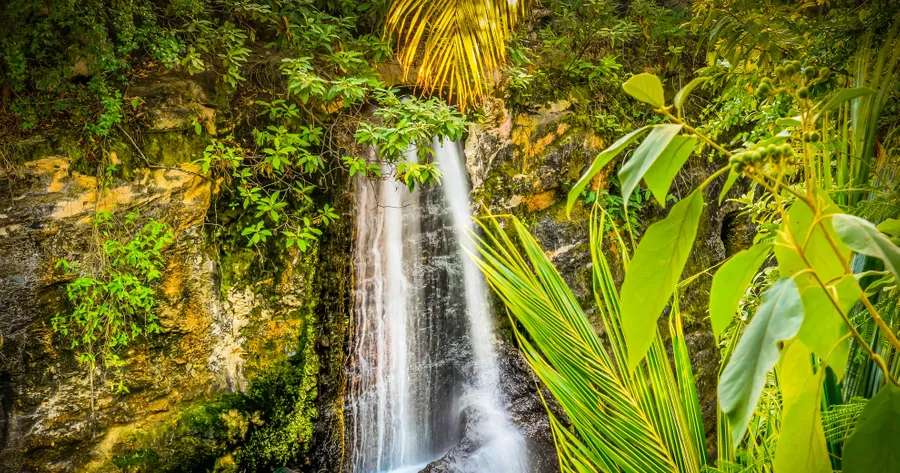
point(425, 374)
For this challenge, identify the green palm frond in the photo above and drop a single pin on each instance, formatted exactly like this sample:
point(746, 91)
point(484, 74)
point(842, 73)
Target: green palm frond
point(646, 421)
point(459, 45)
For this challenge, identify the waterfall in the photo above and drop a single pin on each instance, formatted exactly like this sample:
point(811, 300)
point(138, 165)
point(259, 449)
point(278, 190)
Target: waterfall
point(424, 374)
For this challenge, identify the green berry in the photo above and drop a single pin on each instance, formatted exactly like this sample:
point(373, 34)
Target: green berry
point(764, 89)
point(810, 72)
point(779, 71)
point(824, 73)
point(763, 152)
point(790, 69)
point(814, 137)
point(803, 93)
point(753, 157)
point(773, 151)
point(787, 150)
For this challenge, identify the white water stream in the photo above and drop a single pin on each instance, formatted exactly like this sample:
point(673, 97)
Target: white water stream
point(424, 344)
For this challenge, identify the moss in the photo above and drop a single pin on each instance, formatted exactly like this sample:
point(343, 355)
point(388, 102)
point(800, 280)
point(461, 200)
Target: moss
point(268, 426)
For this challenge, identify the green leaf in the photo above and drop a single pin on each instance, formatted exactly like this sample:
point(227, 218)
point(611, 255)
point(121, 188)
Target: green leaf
point(862, 237)
point(601, 160)
point(890, 226)
point(823, 328)
point(661, 173)
point(731, 282)
point(779, 317)
point(819, 252)
point(729, 183)
point(874, 446)
point(647, 88)
point(789, 122)
point(801, 446)
point(844, 95)
point(644, 156)
point(655, 271)
point(685, 91)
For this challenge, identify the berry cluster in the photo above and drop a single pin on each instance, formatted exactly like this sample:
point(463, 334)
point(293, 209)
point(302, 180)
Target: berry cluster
point(792, 73)
point(760, 155)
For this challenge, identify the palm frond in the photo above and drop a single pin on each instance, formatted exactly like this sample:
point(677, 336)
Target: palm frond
point(459, 45)
point(646, 421)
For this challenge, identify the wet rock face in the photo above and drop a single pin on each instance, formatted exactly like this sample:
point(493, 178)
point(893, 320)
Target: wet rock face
point(224, 323)
point(46, 395)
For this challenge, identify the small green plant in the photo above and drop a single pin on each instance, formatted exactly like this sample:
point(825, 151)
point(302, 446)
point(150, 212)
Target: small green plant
point(112, 297)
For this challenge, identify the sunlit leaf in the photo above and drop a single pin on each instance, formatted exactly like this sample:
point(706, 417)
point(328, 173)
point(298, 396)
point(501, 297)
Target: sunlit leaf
point(778, 317)
point(647, 88)
point(874, 446)
point(601, 160)
point(458, 46)
point(823, 329)
point(731, 282)
point(862, 237)
point(801, 446)
point(661, 173)
point(655, 271)
point(818, 249)
point(644, 156)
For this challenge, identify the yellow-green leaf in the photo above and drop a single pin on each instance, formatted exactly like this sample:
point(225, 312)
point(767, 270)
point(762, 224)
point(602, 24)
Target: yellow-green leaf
point(647, 88)
point(818, 250)
point(862, 237)
point(661, 173)
point(801, 446)
point(644, 156)
point(874, 447)
point(601, 160)
point(655, 271)
point(778, 317)
point(729, 183)
point(890, 226)
point(823, 327)
point(731, 282)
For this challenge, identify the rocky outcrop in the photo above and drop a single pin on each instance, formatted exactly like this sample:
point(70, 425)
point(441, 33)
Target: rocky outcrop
point(249, 354)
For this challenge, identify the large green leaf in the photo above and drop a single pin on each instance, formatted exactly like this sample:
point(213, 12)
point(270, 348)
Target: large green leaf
point(874, 447)
point(818, 250)
point(654, 272)
point(646, 88)
point(731, 282)
point(601, 160)
point(862, 237)
point(779, 317)
point(823, 328)
point(644, 156)
point(661, 173)
point(801, 446)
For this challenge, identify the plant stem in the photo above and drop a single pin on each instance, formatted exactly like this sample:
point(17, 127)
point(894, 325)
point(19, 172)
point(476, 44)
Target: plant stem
point(696, 133)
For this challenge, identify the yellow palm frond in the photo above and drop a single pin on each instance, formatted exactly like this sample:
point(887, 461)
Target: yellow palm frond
point(462, 43)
